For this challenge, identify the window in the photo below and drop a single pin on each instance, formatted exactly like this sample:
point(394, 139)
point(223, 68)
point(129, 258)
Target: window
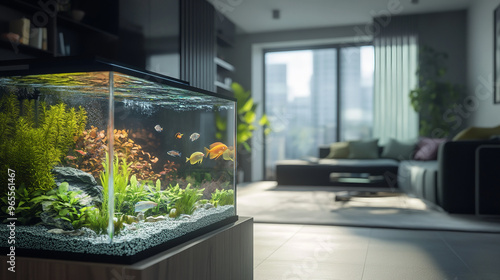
point(314, 97)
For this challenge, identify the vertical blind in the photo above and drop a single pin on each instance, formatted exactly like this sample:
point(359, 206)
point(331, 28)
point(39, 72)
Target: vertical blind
point(396, 57)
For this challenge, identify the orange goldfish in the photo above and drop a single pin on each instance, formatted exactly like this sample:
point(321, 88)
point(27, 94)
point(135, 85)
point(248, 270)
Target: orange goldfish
point(178, 135)
point(216, 150)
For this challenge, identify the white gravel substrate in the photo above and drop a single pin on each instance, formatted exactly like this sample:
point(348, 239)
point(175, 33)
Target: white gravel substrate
point(126, 243)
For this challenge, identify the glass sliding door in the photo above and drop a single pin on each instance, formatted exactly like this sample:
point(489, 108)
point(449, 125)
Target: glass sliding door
point(300, 101)
point(315, 97)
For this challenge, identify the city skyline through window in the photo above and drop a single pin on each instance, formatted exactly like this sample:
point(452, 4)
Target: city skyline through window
point(302, 90)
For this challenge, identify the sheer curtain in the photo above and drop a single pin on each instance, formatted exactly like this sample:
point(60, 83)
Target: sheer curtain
point(396, 57)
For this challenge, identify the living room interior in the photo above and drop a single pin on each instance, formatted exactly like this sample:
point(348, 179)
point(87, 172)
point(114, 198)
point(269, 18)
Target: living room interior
point(370, 150)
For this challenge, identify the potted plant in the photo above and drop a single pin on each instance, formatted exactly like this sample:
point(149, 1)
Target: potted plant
point(433, 95)
point(246, 122)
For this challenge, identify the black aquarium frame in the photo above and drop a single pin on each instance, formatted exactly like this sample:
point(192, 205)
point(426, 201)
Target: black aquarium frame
point(68, 64)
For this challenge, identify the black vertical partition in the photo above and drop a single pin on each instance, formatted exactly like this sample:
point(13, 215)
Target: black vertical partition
point(198, 44)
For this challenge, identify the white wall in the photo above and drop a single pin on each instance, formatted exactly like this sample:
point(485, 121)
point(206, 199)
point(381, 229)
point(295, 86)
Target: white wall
point(478, 108)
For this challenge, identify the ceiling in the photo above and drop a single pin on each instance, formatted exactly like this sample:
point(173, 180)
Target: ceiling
point(253, 16)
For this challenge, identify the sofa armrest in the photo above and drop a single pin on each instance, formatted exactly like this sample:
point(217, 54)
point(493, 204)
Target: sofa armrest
point(456, 175)
point(324, 151)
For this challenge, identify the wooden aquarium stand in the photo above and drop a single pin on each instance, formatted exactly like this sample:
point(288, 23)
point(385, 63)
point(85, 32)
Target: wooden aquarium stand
point(225, 253)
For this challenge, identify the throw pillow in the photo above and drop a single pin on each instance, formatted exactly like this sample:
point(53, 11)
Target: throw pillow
point(477, 133)
point(427, 148)
point(363, 149)
point(339, 150)
point(399, 150)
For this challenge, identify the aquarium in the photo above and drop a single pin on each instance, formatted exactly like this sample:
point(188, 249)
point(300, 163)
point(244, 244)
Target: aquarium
point(106, 163)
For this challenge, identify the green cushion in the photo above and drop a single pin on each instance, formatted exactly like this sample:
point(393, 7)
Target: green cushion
point(339, 150)
point(399, 150)
point(363, 149)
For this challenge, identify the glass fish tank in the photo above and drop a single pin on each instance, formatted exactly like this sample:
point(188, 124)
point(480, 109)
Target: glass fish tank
point(107, 163)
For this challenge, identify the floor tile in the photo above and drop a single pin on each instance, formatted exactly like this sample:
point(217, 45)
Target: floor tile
point(376, 272)
point(307, 269)
point(332, 252)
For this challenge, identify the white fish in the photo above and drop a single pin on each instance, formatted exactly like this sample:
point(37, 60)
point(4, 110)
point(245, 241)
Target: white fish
point(142, 206)
point(158, 128)
point(194, 136)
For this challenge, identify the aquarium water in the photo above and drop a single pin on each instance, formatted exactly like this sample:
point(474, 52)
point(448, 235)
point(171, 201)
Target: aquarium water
point(103, 162)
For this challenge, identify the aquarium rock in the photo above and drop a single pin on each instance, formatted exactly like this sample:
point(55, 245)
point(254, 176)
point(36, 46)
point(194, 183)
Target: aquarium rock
point(49, 220)
point(79, 180)
point(67, 232)
point(155, 219)
point(140, 216)
point(208, 206)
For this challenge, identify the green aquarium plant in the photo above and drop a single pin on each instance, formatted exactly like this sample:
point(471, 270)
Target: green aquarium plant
point(65, 204)
point(222, 197)
point(28, 208)
point(134, 193)
point(186, 203)
point(121, 177)
point(34, 137)
point(160, 197)
point(434, 95)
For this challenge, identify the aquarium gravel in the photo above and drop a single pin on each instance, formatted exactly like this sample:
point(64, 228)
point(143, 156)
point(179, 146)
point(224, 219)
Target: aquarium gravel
point(127, 243)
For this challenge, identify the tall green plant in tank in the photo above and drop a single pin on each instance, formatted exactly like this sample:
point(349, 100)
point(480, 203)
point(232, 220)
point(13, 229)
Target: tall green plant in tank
point(434, 95)
point(34, 137)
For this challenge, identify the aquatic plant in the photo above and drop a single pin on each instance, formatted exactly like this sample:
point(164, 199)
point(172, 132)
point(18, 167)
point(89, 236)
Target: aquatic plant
point(186, 203)
point(34, 137)
point(28, 209)
point(92, 145)
point(97, 220)
point(161, 199)
point(222, 197)
point(121, 175)
point(134, 193)
point(64, 204)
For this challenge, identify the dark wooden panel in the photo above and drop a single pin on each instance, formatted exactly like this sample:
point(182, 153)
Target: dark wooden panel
point(198, 44)
point(226, 253)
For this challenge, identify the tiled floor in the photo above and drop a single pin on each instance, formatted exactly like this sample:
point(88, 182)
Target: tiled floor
point(296, 252)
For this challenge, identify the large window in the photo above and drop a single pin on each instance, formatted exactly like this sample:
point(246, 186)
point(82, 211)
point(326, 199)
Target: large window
point(315, 97)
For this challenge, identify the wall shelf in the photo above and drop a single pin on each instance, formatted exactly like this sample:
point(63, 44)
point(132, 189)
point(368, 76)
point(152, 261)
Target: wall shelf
point(222, 86)
point(223, 64)
point(25, 49)
point(96, 36)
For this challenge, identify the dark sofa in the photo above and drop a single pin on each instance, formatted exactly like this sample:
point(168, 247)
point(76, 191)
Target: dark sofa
point(317, 171)
point(448, 181)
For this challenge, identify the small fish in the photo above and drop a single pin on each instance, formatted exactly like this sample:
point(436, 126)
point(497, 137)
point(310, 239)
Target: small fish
point(216, 150)
point(228, 154)
point(70, 157)
point(174, 153)
point(81, 152)
point(142, 206)
point(158, 128)
point(195, 158)
point(178, 135)
point(194, 136)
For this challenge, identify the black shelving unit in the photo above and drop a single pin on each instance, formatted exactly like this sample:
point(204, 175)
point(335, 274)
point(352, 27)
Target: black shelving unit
point(83, 38)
